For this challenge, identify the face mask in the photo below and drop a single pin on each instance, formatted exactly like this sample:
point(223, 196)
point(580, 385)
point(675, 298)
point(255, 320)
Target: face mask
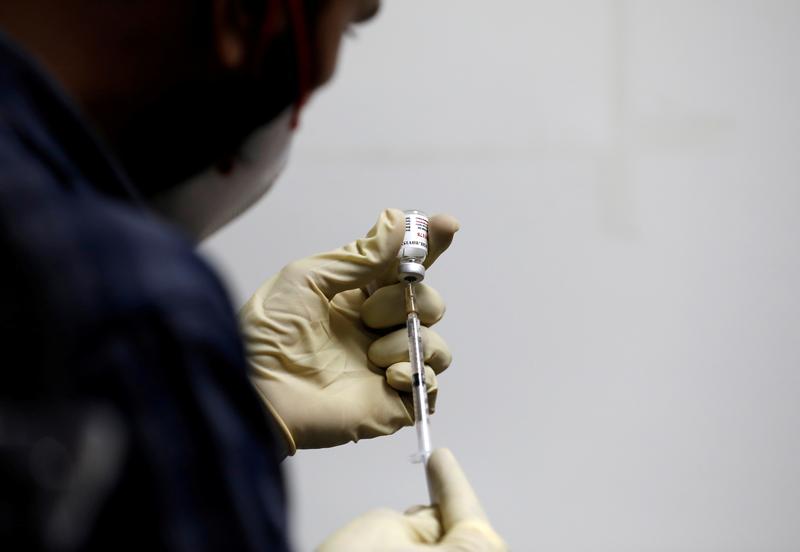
point(207, 202)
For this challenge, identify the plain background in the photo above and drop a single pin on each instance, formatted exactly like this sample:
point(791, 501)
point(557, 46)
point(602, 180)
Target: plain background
point(623, 302)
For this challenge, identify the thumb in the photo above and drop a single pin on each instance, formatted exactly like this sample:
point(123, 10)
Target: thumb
point(358, 263)
point(464, 522)
point(451, 490)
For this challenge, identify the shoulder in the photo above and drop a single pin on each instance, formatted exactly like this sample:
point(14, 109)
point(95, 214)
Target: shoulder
point(81, 260)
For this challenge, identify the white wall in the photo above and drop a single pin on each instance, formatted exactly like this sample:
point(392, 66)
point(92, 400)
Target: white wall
point(623, 301)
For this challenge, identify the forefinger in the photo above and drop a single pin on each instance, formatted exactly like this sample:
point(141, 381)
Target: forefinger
point(441, 230)
point(451, 490)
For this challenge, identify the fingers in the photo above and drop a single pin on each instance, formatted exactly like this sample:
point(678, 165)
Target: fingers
point(463, 520)
point(387, 306)
point(393, 348)
point(451, 490)
point(471, 535)
point(357, 263)
point(386, 529)
point(391, 352)
point(399, 377)
point(441, 230)
point(370, 261)
point(424, 523)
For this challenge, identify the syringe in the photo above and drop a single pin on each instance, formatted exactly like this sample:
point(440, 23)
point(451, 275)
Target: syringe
point(411, 271)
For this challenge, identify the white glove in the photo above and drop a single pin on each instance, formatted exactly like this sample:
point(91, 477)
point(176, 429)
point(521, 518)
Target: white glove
point(326, 357)
point(456, 523)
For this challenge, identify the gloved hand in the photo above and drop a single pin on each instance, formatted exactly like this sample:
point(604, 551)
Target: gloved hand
point(456, 523)
point(328, 358)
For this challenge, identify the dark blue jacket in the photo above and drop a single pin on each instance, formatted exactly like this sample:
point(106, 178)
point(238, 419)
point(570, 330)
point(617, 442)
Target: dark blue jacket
point(126, 418)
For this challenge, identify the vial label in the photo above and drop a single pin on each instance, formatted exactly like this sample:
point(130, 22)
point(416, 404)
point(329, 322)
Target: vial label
point(415, 240)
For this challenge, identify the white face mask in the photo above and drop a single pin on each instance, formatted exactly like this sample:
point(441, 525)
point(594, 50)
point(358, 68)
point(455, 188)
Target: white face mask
point(207, 202)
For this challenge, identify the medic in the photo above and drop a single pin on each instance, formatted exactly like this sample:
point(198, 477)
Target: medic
point(138, 411)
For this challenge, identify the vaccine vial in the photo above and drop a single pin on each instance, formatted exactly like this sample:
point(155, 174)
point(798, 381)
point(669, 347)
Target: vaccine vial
point(414, 248)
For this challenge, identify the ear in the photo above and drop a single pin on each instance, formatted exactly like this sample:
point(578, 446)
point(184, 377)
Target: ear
point(232, 29)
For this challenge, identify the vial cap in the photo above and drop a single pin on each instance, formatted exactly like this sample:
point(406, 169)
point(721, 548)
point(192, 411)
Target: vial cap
point(410, 272)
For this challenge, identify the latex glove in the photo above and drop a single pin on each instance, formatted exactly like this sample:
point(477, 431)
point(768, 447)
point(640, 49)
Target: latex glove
point(327, 358)
point(456, 523)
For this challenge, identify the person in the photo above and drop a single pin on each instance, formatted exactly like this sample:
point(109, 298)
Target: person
point(137, 410)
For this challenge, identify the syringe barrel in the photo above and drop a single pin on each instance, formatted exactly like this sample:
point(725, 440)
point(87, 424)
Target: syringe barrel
point(419, 388)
